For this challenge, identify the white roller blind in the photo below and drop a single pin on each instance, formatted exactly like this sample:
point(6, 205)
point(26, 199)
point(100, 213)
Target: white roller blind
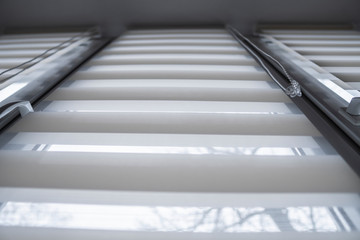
point(178, 120)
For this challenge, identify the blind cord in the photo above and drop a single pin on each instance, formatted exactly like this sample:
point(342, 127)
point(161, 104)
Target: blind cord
point(293, 90)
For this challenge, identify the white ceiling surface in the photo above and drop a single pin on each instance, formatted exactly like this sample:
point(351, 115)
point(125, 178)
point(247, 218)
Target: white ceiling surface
point(110, 14)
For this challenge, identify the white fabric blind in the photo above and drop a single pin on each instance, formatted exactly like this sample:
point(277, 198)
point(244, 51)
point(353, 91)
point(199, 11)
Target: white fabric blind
point(182, 112)
point(172, 99)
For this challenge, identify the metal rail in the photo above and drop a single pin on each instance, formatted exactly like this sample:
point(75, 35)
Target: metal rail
point(327, 113)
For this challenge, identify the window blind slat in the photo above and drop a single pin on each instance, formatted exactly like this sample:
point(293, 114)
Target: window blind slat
point(222, 35)
point(11, 62)
point(333, 43)
point(223, 59)
point(43, 234)
point(167, 123)
point(168, 93)
point(194, 31)
point(173, 49)
point(164, 172)
point(20, 53)
point(190, 42)
point(27, 46)
point(169, 83)
point(335, 61)
point(328, 50)
point(172, 72)
point(320, 32)
point(73, 138)
point(197, 107)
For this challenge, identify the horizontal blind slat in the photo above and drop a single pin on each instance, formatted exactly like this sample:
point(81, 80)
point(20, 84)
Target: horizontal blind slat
point(204, 59)
point(210, 107)
point(167, 123)
point(123, 139)
point(172, 72)
point(147, 172)
point(168, 93)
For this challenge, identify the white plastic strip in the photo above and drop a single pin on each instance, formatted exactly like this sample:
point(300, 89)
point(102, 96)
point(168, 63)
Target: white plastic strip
point(24, 46)
point(195, 107)
point(171, 219)
point(250, 94)
point(335, 60)
point(173, 49)
point(181, 58)
point(257, 124)
point(274, 200)
point(20, 53)
point(222, 35)
point(189, 140)
point(327, 50)
point(57, 234)
point(168, 83)
point(196, 42)
point(171, 72)
point(175, 172)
